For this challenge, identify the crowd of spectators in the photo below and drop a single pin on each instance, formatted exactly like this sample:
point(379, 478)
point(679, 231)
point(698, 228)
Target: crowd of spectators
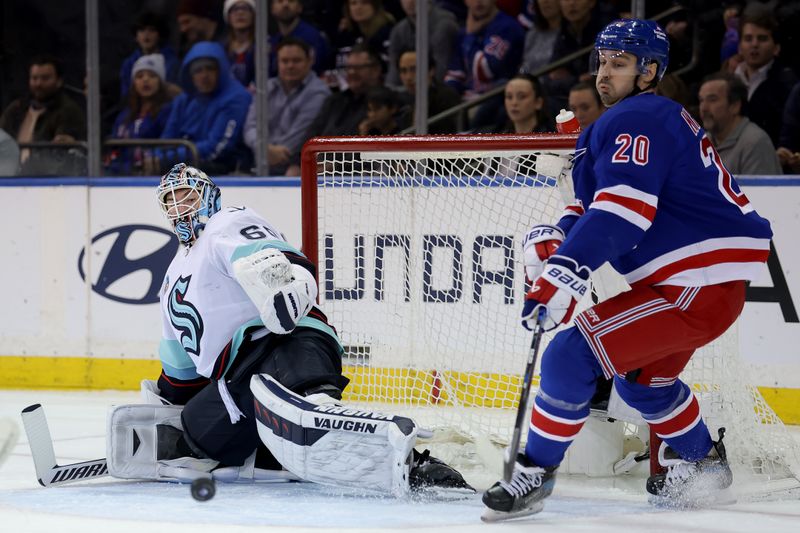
point(348, 67)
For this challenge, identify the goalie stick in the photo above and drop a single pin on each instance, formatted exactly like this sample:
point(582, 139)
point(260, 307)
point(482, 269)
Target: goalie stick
point(50, 473)
point(44, 457)
point(522, 408)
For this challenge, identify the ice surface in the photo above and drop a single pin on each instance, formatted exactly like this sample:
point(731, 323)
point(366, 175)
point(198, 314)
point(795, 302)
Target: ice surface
point(77, 423)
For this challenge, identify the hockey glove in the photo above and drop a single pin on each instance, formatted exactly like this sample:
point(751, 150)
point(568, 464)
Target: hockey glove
point(539, 244)
point(282, 292)
point(288, 304)
point(562, 284)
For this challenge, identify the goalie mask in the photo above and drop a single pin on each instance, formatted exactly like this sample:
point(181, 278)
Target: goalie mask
point(642, 38)
point(188, 199)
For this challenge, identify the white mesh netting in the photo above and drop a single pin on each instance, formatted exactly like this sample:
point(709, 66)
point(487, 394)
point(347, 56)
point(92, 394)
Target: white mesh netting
point(420, 273)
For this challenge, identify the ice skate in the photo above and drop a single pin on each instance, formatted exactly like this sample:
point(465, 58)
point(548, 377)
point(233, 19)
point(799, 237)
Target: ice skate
point(691, 484)
point(429, 475)
point(524, 495)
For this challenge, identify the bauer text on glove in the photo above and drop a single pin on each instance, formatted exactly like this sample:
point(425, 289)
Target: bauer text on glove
point(562, 284)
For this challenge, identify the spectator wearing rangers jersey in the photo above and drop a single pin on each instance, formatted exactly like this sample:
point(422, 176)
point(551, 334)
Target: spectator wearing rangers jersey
point(487, 52)
point(652, 198)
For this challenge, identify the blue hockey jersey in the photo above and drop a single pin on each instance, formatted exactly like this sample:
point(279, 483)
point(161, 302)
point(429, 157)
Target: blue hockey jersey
point(659, 204)
point(479, 61)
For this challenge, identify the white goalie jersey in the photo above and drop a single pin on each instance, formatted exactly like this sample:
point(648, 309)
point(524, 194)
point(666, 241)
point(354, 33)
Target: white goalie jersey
point(205, 311)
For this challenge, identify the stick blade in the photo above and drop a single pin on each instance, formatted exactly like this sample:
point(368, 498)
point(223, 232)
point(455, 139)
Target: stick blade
point(39, 441)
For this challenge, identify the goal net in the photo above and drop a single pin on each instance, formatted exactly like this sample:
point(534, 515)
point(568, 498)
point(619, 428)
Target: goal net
point(418, 243)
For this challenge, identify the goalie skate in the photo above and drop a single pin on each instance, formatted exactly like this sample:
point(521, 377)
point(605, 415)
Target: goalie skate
point(430, 476)
point(523, 496)
point(691, 484)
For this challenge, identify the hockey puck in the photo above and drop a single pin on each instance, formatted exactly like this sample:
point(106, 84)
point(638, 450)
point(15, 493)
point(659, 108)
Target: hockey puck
point(203, 489)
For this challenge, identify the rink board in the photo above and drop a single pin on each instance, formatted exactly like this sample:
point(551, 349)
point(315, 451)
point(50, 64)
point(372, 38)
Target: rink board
point(72, 319)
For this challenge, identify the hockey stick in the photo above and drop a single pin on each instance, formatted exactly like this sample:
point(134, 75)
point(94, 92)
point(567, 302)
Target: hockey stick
point(44, 457)
point(50, 473)
point(522, 408)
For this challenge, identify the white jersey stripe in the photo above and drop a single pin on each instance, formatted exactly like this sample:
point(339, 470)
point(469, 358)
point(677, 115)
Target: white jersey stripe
point(683, 431)
point(629, 192)
point(550, 436)
point(681, 408)
point(627, 313)
point(623, 212)
point(715, 274)
point(710, 245)
point(595, 338)
point(558, 419)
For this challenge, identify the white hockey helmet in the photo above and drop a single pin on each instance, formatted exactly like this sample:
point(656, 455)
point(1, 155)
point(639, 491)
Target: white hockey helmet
point(188, 198)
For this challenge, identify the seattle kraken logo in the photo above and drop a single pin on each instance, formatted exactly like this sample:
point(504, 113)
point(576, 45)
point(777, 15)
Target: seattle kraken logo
point(184, 316)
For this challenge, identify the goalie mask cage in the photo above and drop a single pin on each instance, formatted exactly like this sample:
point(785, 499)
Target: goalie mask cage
point(418, 244)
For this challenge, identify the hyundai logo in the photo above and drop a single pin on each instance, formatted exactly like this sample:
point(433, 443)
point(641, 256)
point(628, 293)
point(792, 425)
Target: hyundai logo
point(128, 263)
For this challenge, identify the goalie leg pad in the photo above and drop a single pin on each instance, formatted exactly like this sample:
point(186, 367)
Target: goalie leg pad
point(303, 361)
point(143, 442)
point(333, 444)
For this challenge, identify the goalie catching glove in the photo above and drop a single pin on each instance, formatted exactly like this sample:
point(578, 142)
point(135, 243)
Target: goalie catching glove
point(282, 292)
point(539, 244)
point(562, 284)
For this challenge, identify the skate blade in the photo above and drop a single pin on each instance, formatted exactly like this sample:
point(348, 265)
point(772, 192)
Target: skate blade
point(490, 515)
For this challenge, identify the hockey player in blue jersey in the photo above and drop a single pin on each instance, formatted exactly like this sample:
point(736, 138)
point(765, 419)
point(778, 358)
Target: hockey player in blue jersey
point(652, 198)
point(251, 375)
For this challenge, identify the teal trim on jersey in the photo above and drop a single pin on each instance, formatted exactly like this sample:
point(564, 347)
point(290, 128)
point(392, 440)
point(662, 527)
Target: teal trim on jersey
point(236, 340)
point(183, 374)
point(249, 249)
point(175, 361)
point(309, 322)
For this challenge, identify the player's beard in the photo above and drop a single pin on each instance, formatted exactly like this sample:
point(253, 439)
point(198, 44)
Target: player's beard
point(613, 94)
